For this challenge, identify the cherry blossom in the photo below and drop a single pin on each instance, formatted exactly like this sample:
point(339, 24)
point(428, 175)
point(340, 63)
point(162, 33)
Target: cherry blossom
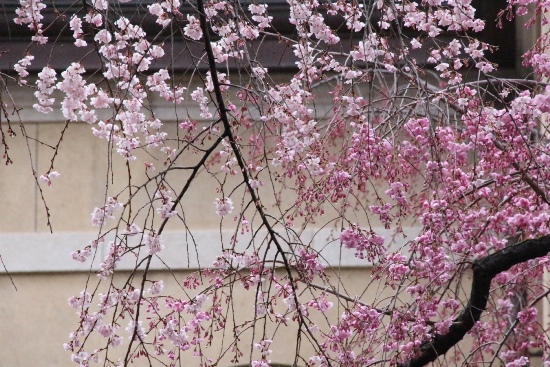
point(193, 29)
point(391, 142)
point(224, 206)
point(48, 178)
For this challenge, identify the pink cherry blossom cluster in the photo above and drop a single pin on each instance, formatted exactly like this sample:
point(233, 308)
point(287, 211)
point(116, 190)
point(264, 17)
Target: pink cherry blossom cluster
point(46, 85)
point(153, 243)
point(165, 197)
point(224, 206)
point(100, 215)
point(366, 245)
point(21, 67)
point(375, 133)
point(29, 13)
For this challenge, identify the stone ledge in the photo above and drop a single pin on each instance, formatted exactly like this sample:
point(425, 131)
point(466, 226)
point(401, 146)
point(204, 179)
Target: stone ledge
point(44, 252)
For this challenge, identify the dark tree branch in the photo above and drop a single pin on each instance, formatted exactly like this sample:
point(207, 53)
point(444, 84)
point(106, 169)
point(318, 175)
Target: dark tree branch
point(484, 270)
point(228, 132)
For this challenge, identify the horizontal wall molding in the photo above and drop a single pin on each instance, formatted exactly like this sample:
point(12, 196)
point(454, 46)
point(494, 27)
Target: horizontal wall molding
point(45, 252)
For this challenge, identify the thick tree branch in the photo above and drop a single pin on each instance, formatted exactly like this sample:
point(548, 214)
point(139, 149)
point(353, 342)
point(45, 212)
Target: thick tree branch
point(484, 270)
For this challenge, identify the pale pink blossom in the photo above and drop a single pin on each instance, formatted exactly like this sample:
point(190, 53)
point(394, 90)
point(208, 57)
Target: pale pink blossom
point(224, 206)
point(193, 29)
point(21, 67)
point(48, 177)
point(46, 86)
point(156, 287)
point(100, 215)
point(153, 243)
point(136, 331)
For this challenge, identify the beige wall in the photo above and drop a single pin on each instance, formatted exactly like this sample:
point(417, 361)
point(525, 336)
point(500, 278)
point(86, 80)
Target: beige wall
point(35, 319)
point(82, 162)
